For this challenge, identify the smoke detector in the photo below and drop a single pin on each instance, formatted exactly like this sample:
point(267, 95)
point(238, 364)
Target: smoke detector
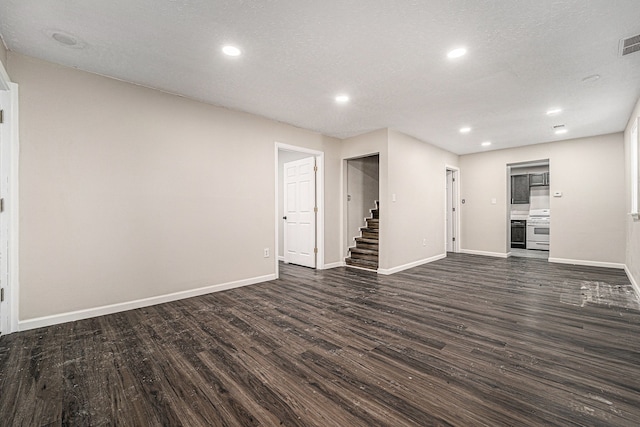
point(629, 45)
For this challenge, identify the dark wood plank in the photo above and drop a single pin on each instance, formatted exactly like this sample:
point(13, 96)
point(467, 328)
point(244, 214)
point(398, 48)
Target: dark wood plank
point(466, 340)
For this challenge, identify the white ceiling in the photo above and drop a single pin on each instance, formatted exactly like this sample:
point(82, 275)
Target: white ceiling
point(524, 57)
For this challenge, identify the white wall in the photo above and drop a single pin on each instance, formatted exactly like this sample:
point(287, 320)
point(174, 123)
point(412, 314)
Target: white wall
point(415, 172)
point(587, 221)
point(128, 193)
point(632, 256)
point(417, 177)
point(375, 142)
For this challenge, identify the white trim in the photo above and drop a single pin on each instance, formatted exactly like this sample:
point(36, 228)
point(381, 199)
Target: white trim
point(333, 265)
point(55, 319)
point(484, 253)
point(14, 211)
point(280, 258)
point(587, 263)
point(388, 271)
point(355, 267)
point(636, 286)
point(9, 191)
point(634, 147)
point(344, 218)
point(456, 202)
point(319, 155)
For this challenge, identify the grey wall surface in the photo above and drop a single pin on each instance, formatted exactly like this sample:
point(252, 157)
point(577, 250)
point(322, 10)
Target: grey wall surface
point(128, 193)
point(587, 221)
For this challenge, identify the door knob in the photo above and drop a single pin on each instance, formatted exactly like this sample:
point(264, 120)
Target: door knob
point(284, 217)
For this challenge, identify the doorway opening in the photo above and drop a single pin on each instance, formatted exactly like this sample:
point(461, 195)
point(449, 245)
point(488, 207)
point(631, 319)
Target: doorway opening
point(529, 214)
point(452, 217)
point(299, 215)
point(362, 224)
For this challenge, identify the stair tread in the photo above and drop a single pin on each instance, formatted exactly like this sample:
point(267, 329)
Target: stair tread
point(370, 230)
point(356, 249)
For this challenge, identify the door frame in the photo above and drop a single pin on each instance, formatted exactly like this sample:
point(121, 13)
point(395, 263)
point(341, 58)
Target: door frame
point(9, 152)
point(344, 202)
point(456, 204)
point(319, 155)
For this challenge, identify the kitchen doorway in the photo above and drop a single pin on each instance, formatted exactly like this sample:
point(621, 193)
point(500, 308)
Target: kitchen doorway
point(529, 214)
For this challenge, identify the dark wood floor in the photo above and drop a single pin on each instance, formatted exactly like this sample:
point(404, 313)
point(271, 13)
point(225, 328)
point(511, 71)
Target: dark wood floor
point(465, 341)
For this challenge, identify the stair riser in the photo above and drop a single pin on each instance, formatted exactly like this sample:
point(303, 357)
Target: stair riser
point(364, 251)
point(373, 225)
point(369, 246)
point(362, 264)
point(369, 235)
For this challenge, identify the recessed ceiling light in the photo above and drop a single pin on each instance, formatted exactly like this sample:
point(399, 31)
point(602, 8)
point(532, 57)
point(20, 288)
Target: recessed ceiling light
point(591, 79)
point(554, 111)
point(65, 39)
point(486, 143)
point(231, 50)
point(465, 129)
point(342, 99)
point(457, 53)
point(561, 131)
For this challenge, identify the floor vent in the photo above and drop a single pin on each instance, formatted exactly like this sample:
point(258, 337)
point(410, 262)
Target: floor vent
point(630, 45)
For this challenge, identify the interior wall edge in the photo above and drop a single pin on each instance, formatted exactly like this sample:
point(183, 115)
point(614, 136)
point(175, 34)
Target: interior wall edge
point(634, 282)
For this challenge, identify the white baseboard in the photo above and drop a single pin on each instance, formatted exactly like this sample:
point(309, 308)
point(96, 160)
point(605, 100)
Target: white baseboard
point(587, 263)
point(332, 265)
point(280, 258)
point(484, 253)
point(355, 267)
point(633, 281)
point(55, 319)
point(387, 271)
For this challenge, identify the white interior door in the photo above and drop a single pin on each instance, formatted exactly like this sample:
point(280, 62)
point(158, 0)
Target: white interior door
point(451, 211)
point(299, 212)
point(4, 246)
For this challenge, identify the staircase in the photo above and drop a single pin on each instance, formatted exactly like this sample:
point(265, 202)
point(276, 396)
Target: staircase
point(365, 253)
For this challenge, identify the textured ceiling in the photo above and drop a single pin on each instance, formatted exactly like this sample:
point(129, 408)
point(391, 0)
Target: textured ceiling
point(524, 57)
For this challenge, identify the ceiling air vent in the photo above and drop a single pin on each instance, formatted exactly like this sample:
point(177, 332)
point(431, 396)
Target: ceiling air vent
point(630, 45)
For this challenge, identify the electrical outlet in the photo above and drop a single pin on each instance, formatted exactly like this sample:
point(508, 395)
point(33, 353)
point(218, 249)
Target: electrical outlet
point(266, 252)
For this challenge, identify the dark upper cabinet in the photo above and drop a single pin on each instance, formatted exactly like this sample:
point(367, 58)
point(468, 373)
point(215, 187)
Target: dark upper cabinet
point(538, 179)
point(519, 189)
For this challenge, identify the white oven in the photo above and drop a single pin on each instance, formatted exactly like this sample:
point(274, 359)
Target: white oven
point(538, 229)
